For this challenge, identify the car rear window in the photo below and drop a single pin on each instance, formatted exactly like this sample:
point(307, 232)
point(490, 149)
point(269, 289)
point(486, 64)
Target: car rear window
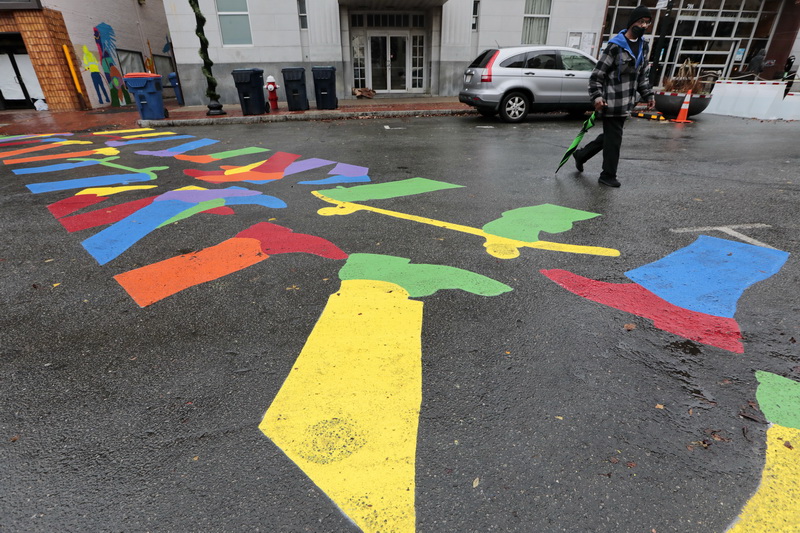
point(517, 61)
point(483, 59)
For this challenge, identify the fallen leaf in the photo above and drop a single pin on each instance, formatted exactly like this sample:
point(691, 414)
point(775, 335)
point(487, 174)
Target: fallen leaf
point(630, 464)
point(659, 406)
point(15, 438)
point(48, 260)
point(613, 460)
point(559, 418)
point(691, 411)
point(630, 327)
point(788, 445)
point(56, 284)
point(476, 482)
point(293, 288)
point(195, 458)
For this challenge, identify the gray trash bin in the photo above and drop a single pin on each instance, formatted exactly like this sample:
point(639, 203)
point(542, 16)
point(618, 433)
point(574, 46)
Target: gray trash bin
point(325, 87)
point(294, 83)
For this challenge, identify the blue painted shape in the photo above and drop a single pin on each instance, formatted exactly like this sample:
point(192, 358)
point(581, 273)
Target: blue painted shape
point(180, 149)
point(336, 179)
point(148, 140)
point(56, 168)
point(266, 201)
point(115, 239)
point(710, 275)
point(97, 181)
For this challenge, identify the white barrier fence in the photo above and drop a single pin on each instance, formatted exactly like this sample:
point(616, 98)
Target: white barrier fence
point(754, 99)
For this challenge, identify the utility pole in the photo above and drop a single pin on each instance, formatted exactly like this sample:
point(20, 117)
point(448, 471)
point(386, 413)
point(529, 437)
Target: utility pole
point(658, 49)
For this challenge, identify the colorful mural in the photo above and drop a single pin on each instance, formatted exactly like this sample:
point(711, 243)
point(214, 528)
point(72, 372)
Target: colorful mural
point(91, 65)
point(106, 42)
point(347, 413)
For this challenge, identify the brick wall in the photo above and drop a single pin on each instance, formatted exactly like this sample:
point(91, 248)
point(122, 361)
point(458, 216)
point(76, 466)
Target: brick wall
point(44, 34)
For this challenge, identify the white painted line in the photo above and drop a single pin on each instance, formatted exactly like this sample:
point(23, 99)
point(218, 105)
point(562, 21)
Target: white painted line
point(388, 128)
point(730, 230)
point(486, 127)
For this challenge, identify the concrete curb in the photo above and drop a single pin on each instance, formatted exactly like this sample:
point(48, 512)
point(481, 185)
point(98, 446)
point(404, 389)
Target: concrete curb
point(316, 115)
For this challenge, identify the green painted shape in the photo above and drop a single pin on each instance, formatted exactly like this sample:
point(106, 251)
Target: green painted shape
point(391, 189)
point(241, 151)
point(418, 280)
point(525, 223)
point(199, 208)
point(779, 399)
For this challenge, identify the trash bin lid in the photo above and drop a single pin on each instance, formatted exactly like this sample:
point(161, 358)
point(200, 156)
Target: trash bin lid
point(141, 75)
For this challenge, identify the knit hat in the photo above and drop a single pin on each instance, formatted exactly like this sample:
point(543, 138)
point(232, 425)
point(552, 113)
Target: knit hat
point(639, 12)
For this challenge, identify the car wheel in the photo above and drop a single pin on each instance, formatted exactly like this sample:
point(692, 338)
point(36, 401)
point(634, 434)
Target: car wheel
point(514, 107)
point(486, 112)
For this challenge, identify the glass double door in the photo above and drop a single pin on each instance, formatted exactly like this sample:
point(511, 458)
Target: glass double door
point(389, 63)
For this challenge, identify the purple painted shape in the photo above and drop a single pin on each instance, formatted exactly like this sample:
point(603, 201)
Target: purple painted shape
point(204, 196)
point(307, 164)
point(116, 144)
point(343, 169)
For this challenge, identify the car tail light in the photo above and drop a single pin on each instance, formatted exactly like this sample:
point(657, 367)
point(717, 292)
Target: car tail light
point(487, 72)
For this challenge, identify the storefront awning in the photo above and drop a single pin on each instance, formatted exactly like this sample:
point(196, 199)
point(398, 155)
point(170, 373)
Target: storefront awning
point(391, 5)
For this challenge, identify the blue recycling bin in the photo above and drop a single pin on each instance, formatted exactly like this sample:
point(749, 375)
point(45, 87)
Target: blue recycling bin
point(146, 90)
point(176, 85)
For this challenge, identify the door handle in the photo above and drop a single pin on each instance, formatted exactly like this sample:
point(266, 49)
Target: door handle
point(569, 75)
point(530, 73)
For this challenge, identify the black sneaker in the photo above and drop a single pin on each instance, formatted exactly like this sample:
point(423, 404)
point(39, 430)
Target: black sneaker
point(578, 162)
point(611, 182)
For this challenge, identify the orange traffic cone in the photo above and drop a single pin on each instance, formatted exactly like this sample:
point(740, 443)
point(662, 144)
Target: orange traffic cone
point(683, 114)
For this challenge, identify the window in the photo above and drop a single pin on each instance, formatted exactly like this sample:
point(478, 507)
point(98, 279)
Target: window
point(475, 8)
point(234, 22)
point(573, 61)
point(359, 62)
point(417, 61)
point(130, 61)
point(302, 12)
point(536, 21)
point(545, 60)
point(517, 61)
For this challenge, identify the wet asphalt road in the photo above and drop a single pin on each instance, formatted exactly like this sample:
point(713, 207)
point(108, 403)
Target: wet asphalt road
point(540, 408)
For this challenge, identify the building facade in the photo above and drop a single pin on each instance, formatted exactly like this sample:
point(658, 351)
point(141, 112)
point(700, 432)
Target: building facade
point(411, 47)
point(72, 54)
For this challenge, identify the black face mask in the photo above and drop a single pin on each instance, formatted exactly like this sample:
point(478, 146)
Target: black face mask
point(637, 31)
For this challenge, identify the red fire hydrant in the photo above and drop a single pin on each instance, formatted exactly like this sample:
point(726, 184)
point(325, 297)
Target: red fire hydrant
point(272, 92)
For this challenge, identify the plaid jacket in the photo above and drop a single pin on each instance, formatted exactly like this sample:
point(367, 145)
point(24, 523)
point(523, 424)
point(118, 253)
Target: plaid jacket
point(619, 75)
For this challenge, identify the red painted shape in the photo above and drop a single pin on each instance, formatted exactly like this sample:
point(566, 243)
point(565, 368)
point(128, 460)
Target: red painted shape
point(277, 163)
point(222, 210)
point(67, 206)
point(718, 331)
point(101, 217)
point(16, 143)
point(276, 239)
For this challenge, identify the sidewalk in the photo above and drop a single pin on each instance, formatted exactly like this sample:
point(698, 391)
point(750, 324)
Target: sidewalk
point(17, 122)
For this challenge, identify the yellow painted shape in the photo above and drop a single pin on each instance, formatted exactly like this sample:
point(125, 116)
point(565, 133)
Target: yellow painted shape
point(108, 191)
point(144, 135)
point(121, 131)
point(65, 143)
point(107, 151)
point(775, 507)
point(192, 188)
point(348, 412)
point(496, 246)
point(229, 169)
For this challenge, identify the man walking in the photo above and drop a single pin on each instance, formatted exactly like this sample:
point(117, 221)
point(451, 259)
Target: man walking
point(621, 72)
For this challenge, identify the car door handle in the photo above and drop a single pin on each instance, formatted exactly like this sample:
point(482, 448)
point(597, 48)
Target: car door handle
point(530, 73)
point(569, 75)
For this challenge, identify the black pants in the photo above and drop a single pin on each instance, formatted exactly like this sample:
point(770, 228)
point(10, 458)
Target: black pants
point(609, 142)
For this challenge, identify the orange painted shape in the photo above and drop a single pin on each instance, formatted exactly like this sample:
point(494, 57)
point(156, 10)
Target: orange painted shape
point(39, 148)
point(151, 283)
point(196, 158)
point(85, 153)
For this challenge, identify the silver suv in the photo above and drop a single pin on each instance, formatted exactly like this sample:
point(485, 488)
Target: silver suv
point(515, 81)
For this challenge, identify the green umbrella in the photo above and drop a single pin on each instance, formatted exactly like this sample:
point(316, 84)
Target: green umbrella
point(574, 146)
